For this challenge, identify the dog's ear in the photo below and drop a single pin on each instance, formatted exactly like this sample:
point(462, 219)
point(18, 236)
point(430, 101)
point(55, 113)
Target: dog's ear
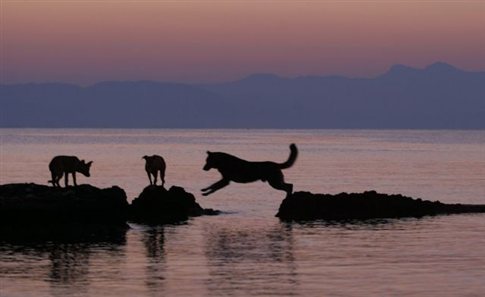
point(209, 153)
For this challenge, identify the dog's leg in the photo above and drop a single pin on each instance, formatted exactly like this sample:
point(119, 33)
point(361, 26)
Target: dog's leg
point(217, 186)
point(155, 176)
point(53, 177)
point(280, 184)
point(149, 177)
point(66, 179)
point(162, 177)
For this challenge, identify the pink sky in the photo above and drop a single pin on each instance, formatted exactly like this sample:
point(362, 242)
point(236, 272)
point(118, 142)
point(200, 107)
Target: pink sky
point(85, 41)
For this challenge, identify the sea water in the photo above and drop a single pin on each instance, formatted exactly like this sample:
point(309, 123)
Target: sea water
point(246, 251)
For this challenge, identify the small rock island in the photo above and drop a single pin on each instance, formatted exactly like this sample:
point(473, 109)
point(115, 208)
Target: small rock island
point(32, 213)
point(156, 205)
point(361, 206)
point(32, 204)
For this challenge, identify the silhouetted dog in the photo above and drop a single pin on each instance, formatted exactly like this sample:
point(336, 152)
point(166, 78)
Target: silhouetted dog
point(241, 171)
point(153, 165)
point(63, 165)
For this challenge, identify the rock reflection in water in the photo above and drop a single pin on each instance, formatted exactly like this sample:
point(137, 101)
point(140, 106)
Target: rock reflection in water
point(251, 261)
point(62, 262)
point(69, 266)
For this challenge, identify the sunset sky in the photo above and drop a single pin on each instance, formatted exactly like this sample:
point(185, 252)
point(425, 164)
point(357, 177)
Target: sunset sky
point(86, 41)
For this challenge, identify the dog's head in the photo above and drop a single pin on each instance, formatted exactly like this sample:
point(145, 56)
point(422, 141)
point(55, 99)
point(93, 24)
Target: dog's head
point(84, 167)
point(209, 162)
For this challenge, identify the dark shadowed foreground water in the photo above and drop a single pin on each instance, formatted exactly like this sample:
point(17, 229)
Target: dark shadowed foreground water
point(246, 251)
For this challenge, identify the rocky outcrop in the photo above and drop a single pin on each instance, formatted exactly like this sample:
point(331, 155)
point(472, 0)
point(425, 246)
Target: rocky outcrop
point(37, 204)
point(28, 205)
point(156, 205)
point(367, 205)
point(38, 213)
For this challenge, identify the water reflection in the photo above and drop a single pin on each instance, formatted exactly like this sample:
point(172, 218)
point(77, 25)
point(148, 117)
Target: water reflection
point(251, 261)
point(69, 266)
point(365, 225)
point(153, 240)
point(351, 224)
point(59, 257)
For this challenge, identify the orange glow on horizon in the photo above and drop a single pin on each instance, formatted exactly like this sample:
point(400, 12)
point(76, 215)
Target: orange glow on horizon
point(89, 41)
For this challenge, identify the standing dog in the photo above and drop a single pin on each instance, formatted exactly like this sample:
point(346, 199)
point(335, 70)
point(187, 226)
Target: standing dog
point(153, 165)
point(241, 171)
point(63, 165)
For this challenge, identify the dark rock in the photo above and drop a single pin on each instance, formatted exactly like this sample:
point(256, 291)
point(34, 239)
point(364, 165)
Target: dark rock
point(367, 205)
point(66, 232)
point(210, 212)
point(156, 205)
point(27, 204)
point(84, 212)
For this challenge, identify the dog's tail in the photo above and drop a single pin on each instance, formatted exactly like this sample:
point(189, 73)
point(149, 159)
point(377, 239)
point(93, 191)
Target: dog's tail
point(291, 158)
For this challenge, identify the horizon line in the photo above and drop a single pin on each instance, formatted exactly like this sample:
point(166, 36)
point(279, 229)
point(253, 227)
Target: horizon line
point(247, 76)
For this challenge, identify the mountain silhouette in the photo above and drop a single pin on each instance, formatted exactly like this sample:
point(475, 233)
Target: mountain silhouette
point(440, 96)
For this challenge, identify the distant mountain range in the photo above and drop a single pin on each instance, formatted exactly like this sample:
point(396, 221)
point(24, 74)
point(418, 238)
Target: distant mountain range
point(439, 96)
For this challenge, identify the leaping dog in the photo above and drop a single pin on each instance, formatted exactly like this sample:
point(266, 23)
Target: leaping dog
point(241, 171)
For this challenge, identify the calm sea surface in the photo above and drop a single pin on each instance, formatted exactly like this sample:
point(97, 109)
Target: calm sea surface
point(246, 251)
